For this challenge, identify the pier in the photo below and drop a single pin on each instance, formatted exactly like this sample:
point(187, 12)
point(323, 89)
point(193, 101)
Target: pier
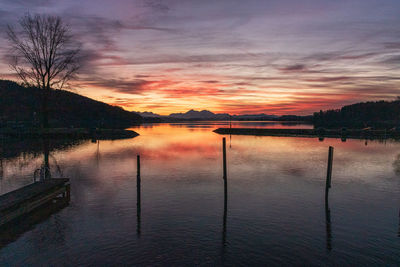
point(28, 198)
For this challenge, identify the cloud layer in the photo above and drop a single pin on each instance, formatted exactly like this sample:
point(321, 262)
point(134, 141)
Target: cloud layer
point(281, 57)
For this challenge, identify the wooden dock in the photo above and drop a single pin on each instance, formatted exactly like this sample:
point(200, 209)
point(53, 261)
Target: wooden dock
point(26, 199)
point(321, 133)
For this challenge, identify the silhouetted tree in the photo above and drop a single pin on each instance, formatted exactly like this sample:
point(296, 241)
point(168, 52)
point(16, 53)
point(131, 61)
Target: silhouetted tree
point(44, 54)
point(380, 114)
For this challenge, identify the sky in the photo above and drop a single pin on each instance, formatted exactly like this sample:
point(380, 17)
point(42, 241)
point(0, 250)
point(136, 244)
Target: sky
point(239, 57)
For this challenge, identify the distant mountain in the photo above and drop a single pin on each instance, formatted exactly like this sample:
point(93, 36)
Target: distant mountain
point(201, 115)
point(22, 105)
point(148, 114)
point(206, 115)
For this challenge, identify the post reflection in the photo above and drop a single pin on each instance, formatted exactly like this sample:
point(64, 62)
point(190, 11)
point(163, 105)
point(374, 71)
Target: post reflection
point(328, 222)
point(46, 174)
point(1, 168)
point(398, 231)
point(225, 212)
point(138, 198)
point(98, 153)
point(396, 165)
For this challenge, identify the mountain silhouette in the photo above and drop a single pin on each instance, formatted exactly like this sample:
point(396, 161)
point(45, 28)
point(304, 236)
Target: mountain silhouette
point(207, 115)
point(204, 114)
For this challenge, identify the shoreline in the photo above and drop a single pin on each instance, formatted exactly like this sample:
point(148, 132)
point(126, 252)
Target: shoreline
point(78, 133)
point(320, 133)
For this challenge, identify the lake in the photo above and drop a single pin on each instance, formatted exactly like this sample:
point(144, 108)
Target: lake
point(276, 212)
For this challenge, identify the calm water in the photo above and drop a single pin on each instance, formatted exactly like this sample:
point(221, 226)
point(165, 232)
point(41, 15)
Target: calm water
point(276, 212)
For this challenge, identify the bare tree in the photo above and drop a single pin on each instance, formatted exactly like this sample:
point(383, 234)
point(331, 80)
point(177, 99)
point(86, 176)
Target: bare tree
point(44, 55)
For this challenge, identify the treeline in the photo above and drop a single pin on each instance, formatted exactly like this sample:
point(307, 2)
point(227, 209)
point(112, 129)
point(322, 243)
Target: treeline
point(21, 107)
point(295, 118)
point(379, 114)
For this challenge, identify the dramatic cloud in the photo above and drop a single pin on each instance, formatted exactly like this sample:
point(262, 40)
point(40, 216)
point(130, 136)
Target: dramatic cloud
point(276, 56)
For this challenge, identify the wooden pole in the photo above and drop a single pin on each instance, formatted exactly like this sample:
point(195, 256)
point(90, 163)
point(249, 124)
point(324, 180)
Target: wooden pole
point(224, 156)
point(225, 193)
point(327, 209)
point(329, 170)
point(138, 168)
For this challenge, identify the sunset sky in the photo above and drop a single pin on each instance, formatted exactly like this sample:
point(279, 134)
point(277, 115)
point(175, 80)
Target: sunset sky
point(254, 56)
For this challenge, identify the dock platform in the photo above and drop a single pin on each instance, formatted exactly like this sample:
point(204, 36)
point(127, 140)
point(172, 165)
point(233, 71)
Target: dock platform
point(28, 198)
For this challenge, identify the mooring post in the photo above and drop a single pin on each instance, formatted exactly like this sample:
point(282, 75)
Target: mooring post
point(327, 209)
point(138, 181)
point(138, 168)
point(329, 171)
point(138, 197)
point(224, 156)
point(225, 192)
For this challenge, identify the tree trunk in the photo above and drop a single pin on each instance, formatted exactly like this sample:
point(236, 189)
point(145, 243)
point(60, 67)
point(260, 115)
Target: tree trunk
point(45, 111)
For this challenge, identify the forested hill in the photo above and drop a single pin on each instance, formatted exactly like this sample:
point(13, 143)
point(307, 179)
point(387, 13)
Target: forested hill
point(381, 114)
point(22, 105)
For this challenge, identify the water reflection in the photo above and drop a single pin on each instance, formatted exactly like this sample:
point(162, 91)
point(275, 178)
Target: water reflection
point(225, 212)
point(328, 223)
point(273, 182)
point(46, 173)
point(398, 232)
point(138, 198)
point(14, 230)
point(1, 168)
point(396, 165)
point(23, 161)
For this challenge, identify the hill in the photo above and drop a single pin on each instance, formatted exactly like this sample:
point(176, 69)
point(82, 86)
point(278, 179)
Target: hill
point(21, 105)
point(379, 114)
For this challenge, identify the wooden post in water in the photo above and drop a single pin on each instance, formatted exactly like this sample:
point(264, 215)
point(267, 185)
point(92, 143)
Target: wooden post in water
point(329, 170)
point(225, 192)
point(224, 156)
point(327, 209)
point(138, 196)
point(138, 168)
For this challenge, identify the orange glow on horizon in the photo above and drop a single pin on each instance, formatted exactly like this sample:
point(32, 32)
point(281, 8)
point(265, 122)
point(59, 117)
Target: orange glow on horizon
point(169, 96)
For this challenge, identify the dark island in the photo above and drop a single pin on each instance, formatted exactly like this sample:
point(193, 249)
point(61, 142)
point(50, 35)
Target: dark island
point(320, 133)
